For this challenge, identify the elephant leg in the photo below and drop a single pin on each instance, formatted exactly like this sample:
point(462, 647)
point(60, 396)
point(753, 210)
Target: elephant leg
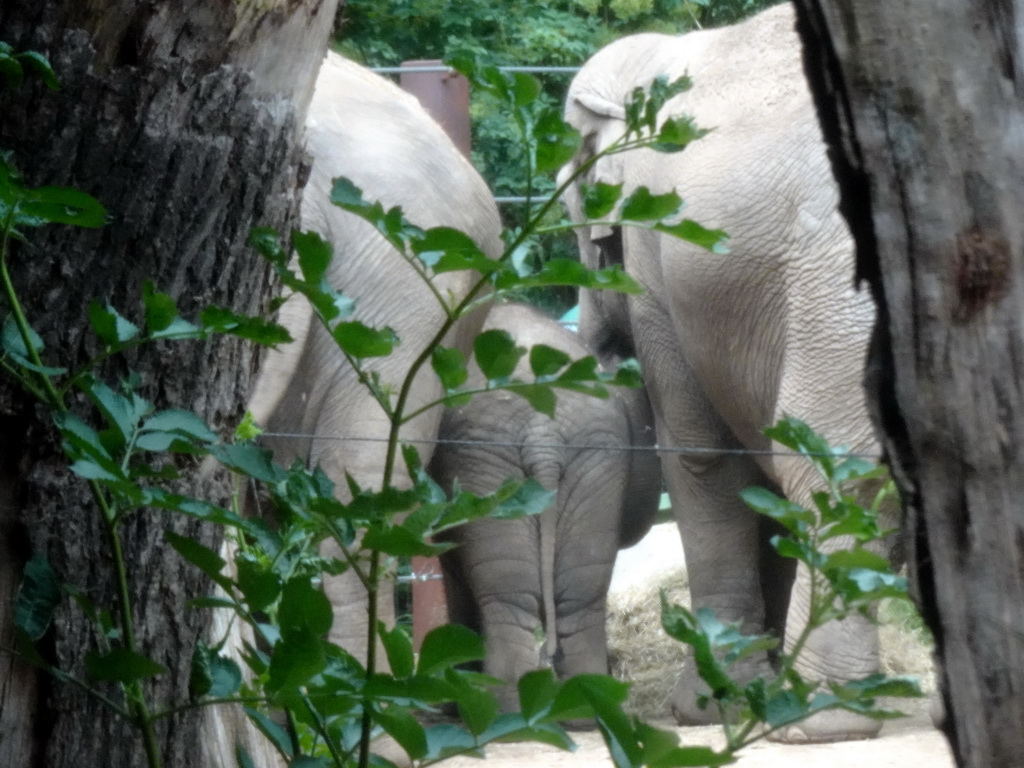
point(498, 567)
point(720, 534)
point(721, 542)
point(590, 502)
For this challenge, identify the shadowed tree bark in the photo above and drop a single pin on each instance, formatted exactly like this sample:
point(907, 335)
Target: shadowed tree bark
point(921, 104)
point(183, 119)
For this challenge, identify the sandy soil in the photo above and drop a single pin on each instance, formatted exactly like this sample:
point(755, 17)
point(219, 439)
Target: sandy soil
point(911, 741)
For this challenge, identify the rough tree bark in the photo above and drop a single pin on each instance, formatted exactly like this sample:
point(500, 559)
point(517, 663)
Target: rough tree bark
point(921, 103)
point(183, 119)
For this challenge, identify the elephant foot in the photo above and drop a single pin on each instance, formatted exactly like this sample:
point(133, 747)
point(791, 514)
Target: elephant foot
point(834, 725)
point(685, 707)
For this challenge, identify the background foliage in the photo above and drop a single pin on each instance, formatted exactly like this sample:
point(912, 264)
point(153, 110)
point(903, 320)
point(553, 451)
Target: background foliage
point(524, 33)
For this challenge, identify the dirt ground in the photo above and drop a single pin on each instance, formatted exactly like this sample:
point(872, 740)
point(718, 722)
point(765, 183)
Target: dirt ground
point(911, 741)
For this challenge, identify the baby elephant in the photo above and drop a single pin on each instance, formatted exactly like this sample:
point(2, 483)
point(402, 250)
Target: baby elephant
point(535, 588)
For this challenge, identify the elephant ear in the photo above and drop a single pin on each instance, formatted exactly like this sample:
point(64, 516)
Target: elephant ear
point(600, 123)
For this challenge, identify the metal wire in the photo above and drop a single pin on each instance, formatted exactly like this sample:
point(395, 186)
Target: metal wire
point(443, 68)
point(674, 449)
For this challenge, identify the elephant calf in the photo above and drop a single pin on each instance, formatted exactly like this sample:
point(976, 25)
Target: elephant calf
point(535, 588)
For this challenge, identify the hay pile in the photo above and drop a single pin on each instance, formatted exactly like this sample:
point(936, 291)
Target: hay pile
point(640, 652)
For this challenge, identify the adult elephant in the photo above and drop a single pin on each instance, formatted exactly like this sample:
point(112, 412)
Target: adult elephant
point(535, 588)
point(307, 397)
point(365, 128)
point(731, 343)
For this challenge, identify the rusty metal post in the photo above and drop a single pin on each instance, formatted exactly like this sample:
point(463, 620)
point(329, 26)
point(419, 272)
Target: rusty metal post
point(445, 96)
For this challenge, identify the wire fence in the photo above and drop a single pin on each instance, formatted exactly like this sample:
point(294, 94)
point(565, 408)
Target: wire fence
point(536, 70)
point(655, 448)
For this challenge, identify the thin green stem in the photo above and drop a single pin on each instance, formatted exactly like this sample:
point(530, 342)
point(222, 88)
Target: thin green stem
point(321, 728)
point(371, 657)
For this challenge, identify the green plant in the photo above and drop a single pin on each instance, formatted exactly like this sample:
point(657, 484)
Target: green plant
point(333, 705)
point(843, 581)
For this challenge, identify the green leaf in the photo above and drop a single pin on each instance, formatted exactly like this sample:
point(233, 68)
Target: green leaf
point(478, 708)
point(201, 556)
point(398, 723)
point(571, 273)
point(794, 517)
point(444, 249)
point(661, 750)
point(174, 428)
point(41, 65)
point(450, 366)
point(297, 657)
point(675, 133)
point(714, 240)
point(112, 329)
point(303, 606)
point(37, 599)
point(361, 341)
point(600, 199)
point(400, 541)
point(277, 735)
point(448, 645)
point(212, 674)
point(537, 691)
point(877, 685)
point(605, 697)
point(249, 460)
point(162, 319)
point(398, 646)
point(783, 708)
point(259, 586)
point(497, 354)
point(60, 205)
point(305, 761)
point(247, 428)
point(693, 629)
point(122, 412)
point(641, 205)
point(528, 498)
point(446, 740)
point(120, 666)
point(541, 397)
point(315, 255)
point(556, 141)
point(547, 361)
point(257, 329)
point(14, 344)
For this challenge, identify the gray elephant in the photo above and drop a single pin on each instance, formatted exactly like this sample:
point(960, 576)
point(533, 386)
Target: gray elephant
point(365, 128)
point(731, 343)
point(535, 588)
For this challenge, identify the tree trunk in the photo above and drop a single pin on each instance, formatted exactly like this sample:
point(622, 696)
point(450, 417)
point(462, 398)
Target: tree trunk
point(183, 119)
point(921, 103)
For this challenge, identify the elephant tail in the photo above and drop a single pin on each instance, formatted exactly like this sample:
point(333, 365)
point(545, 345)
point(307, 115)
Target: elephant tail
point(548, 530)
